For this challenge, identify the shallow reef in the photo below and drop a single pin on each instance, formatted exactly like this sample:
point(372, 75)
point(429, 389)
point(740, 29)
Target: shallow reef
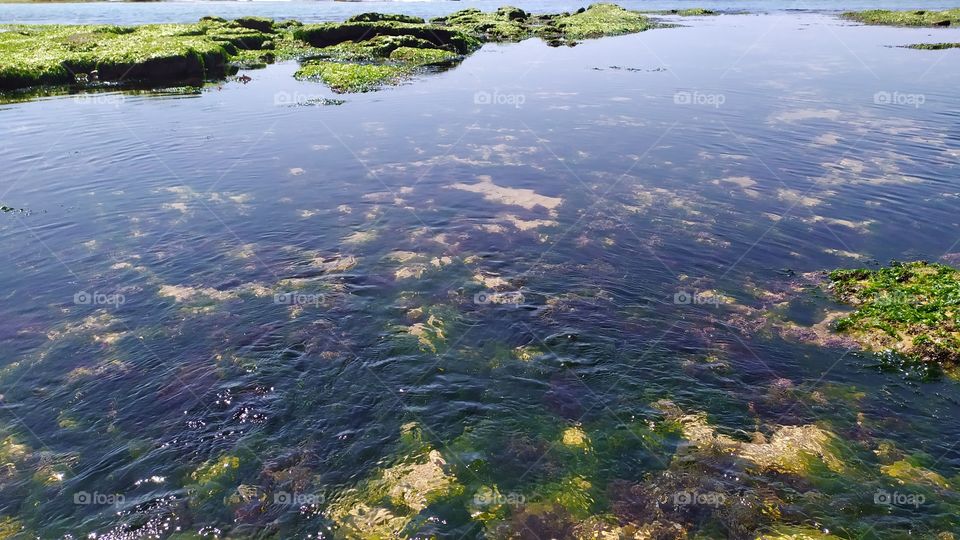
point(919, 17)
point(359, 54)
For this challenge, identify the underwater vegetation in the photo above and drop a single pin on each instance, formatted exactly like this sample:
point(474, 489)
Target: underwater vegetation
point(905, 18)
point(359, 54)
point(912, 309)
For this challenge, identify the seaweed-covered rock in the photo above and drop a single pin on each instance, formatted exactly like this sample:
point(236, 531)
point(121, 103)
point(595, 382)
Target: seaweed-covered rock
point(950, 17)
point(327, 34)
point(505, 24)
point(596, 21)
point(384, 505)
point(56, 55)
point(349, 77)
point(912, 309)
point(261, 24)
point(378, 17)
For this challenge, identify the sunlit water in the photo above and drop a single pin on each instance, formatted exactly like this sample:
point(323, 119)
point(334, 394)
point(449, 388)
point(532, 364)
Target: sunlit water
point(152, 12)
point(142, 338)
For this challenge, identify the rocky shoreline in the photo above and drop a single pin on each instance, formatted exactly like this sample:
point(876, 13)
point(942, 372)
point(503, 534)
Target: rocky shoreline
point(359, 54)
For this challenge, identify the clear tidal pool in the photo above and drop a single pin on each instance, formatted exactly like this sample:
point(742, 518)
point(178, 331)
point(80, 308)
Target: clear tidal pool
point(473, 305)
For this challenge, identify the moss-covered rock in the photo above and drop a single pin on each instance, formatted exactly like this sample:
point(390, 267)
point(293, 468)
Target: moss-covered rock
point(327, 34)
point(262, 24)
point(598, 20)
point(371, 49)
point(912, 309)
point(920, 17)
point(350, 77)
point(932, 46)
point(505, 24)
point(58, 55)
point(415, 56)
point(379, 17)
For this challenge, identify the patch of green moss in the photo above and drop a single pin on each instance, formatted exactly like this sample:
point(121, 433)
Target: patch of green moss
point(906, 472)
point(56, 55)
point(328, 34)
point(912, 309)
point(689, 12)
point(505, 24)
point(933, 46)
point(422, 57)
point(379, 17)
point(349, 77)
point(598, 20)
point(261, 24)
point(905, 18)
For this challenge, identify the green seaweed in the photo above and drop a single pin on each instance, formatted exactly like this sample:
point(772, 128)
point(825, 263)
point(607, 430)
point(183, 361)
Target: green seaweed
point(598, 20)
point(506, 24)
point(57, 55)
point(912, 309)
point(348, 77)
point(932, 46)
point(422, 57)
point(370, 49)
point(905, 18)
point(328, 34)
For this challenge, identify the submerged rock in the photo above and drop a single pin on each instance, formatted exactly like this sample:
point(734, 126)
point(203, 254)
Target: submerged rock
point(384, 505)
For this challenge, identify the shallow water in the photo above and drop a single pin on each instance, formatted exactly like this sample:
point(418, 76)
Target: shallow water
point(142, 336)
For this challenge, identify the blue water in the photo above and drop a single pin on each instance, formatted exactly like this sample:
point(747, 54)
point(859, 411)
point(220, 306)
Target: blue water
point(151, 12)
point(153, 385)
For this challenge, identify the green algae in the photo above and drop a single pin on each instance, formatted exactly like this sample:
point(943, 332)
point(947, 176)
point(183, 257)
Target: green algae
point(422, 57)
point(387, 502)
point(905, 18)
point(328, 34)
point(380, 17)
point(60, 55)
point(511, 24)
point(373, 49)
point(932, 46)
point(598, 20)
point(507, 24)
point(693, 12)
point(349, 77)
point(911, 309)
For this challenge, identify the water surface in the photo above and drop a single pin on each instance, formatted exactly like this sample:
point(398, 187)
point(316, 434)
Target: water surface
point(144, 344)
